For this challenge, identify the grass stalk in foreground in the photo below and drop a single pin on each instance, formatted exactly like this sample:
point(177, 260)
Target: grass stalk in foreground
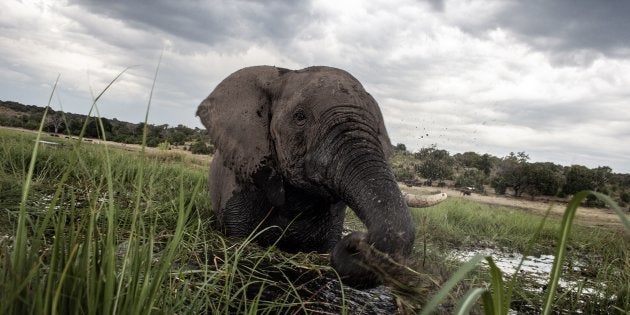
point(139, 179)
point(561, 249)
point(23, 271)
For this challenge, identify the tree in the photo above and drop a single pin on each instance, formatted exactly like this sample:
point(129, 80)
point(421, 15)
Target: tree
point(54, 122)
point(436, 169)
point(176, 137)
point(543, 179)
point(75, 124)
point(436, 164)
point(485, 163)
point(512, 173)
point(401, 147)
point(471, 178)
point(468, 159)
point(578, 178)
point(432, 152)
point(601, 177)
point(93, 129)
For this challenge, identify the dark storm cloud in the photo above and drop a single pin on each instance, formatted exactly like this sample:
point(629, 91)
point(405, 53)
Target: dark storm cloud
point(210, 22)
point(483, 76)
point(437, 5)
point(566, 25)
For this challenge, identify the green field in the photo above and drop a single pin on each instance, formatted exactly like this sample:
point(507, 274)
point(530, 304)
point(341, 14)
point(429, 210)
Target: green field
point(97, 229)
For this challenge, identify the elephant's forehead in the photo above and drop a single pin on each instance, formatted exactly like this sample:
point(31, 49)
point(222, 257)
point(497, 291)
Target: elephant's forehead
point(329, 91)
point(318, 90)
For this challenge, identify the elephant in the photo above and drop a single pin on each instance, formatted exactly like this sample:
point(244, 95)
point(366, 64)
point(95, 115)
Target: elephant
point(293, 149)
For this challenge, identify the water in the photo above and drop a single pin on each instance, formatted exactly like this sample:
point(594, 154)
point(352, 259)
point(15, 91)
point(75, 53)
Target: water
point(536, 271)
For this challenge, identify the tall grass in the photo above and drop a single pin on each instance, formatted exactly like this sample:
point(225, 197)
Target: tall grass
point(97, 230)
point(77, 218)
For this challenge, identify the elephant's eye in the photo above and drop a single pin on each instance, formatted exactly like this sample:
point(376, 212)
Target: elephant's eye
point(299, 117)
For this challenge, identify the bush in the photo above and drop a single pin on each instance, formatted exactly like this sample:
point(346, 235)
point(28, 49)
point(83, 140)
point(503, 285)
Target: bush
point(499, 185)
point(625, 196)
point(153, 142)
point(164, 146)
point(199, 147)
point(402, 173)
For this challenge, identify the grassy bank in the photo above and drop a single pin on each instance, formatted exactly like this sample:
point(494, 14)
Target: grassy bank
point(462, 223)
point(101, 230)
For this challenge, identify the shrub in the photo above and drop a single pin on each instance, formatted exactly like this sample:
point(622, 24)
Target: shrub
point(165, 146)
point(200, 147)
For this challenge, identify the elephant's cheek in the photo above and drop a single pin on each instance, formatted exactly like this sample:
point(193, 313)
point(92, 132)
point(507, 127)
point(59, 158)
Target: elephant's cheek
point(290, 152)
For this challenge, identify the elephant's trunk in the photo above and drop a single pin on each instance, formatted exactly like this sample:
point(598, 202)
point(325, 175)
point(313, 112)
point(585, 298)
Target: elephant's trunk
point(352, 160)
point(374, 196)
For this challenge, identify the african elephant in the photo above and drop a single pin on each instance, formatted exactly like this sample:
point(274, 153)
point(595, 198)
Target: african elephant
point(293, 149)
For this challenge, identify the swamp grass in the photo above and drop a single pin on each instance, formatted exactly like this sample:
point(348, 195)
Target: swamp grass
point(112, 231)
point(602, 254)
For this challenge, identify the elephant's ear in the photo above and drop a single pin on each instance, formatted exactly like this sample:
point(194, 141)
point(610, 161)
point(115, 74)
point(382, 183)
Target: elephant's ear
point(237, 115)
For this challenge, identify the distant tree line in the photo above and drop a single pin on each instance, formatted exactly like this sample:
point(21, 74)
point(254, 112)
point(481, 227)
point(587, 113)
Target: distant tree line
point(13, 114)
point(513, 174)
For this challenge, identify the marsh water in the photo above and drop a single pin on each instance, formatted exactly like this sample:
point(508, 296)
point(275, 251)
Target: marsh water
point(535, 272)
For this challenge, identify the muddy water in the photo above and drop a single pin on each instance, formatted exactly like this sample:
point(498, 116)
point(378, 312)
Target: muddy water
point(536, 270)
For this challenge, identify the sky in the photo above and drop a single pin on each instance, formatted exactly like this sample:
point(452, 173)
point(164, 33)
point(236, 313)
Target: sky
point(551, 78)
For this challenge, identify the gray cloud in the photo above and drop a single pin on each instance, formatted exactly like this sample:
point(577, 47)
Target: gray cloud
point(211, 23)
point(548, 78)
point(572, 31)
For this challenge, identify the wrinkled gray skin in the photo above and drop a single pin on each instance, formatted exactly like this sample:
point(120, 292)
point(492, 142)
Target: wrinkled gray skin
point(293, 148)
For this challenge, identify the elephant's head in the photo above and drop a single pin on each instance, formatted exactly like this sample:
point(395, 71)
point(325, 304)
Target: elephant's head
point(317, 130)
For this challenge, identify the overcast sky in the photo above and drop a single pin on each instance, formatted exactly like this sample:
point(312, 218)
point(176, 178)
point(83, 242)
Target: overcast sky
point(551, 78)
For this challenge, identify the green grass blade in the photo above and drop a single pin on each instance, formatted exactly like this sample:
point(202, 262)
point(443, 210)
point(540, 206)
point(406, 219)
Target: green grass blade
point(498, 294)
point(63, 276)
point(567, 222)
point(22, 260)
point(488, 303)
point(95, 100)
point(468, 301)
point(19, 253)
point(459, 275)
point(561, 250)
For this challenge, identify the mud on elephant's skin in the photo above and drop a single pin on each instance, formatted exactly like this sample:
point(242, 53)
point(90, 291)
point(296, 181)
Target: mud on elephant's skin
point(293, 149)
